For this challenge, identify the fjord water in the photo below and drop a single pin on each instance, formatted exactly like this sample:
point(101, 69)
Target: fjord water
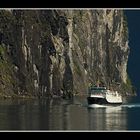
point(58, 114)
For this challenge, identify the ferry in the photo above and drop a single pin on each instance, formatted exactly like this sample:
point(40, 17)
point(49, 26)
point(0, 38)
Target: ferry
point(102, 96)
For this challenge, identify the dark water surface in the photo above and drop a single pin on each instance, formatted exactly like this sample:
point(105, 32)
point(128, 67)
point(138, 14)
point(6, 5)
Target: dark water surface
point(58, 114)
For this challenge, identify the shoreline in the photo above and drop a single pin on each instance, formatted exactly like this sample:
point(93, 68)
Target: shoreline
point(14, 96)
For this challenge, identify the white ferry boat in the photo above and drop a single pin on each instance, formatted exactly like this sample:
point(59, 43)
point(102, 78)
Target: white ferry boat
point(103, 96)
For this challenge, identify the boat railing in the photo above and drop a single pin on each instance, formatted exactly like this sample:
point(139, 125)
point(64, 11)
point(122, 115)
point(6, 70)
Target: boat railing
point(97, 95)
point(97, 88)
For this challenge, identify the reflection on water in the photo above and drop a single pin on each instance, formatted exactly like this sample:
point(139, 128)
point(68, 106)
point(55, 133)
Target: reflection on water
point(108, 118)
point(59, 114)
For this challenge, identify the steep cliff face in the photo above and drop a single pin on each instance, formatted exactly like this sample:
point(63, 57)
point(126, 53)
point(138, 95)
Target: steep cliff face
point(59, 52)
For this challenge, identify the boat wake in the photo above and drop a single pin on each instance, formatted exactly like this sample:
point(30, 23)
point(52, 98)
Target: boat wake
point(119, 106)
point(102, 106)
point(130, 105)
point(97, 106)
point(108, 109)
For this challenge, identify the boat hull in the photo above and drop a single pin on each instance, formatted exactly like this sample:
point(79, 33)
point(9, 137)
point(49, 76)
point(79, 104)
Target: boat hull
point(100, 101)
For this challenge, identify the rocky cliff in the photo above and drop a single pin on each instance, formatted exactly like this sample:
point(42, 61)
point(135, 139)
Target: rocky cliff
point(59, 52)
